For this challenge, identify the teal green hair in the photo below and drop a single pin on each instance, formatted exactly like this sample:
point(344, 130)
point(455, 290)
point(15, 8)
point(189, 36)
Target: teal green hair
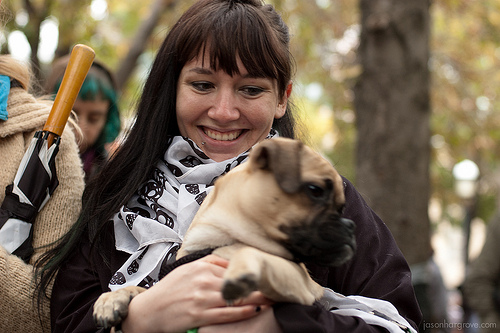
point(99, 84)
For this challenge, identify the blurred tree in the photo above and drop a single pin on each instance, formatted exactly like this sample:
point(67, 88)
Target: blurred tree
point(392, 105)
point(36, 12)
point(324, 42)
point(75, 23)
point(465, 64)
point(139, 42)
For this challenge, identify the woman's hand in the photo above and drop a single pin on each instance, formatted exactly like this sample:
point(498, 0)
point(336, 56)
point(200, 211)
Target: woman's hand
point(188, 297)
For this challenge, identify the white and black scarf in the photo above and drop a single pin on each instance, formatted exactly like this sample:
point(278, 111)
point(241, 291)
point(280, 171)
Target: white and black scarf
point(152, 225)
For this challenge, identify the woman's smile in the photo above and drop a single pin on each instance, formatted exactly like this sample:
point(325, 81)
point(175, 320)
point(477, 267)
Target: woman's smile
point(222, 135)
point(225, 115)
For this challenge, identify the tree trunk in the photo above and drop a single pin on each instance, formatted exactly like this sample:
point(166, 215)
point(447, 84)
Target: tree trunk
point(138, 44)
point(392, 111)
point(32, 32)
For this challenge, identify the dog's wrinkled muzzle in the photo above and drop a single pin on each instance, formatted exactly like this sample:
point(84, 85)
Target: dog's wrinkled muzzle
point(328, 241)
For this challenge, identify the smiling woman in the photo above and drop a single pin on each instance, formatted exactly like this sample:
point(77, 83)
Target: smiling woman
point(220, 84)
point(226, 114)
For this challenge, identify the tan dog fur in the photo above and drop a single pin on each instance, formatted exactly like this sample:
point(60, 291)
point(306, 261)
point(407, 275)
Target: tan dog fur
point(243, 219)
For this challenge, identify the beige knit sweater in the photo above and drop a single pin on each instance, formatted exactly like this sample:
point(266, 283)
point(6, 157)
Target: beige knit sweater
point(26, 115)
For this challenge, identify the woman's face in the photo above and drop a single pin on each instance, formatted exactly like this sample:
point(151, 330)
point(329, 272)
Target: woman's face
point(225, 115)
point(92, 116)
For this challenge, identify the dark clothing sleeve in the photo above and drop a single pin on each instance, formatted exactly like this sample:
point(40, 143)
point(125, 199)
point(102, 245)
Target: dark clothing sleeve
point(296, 318)
point(75, 290)
point(78, 284)
point(377, 270)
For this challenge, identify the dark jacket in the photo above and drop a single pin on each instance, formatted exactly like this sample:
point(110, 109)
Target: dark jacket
point(378, 270)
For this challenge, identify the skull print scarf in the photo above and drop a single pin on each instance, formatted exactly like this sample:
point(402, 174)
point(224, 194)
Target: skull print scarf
point(151, 225)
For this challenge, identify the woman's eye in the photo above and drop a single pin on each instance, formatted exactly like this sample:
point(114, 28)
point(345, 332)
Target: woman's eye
point(252, 91)
point(202, 86)
point(93, 120)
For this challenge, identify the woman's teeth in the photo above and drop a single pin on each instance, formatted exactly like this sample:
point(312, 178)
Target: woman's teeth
point(229, 136)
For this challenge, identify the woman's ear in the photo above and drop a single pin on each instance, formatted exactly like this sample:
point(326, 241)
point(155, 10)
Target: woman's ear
point(281, 109)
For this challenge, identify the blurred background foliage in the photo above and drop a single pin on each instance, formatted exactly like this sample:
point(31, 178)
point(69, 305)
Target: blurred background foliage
point(464, 65)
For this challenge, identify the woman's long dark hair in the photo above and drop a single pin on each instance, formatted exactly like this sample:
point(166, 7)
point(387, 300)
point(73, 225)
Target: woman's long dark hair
point(224, 29)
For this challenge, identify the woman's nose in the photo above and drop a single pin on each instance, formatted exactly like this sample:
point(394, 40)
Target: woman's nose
point(82, 123)
point(224, 108)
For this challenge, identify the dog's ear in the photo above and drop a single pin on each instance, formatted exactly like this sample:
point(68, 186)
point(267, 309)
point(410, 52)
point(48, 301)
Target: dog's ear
point(282, 158)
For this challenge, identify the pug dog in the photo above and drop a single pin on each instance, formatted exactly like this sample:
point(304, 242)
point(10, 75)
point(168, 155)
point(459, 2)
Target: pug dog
point(268, 217)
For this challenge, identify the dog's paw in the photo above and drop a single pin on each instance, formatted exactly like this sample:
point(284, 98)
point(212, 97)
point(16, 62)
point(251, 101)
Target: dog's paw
point(111, 308)
point(241, 287)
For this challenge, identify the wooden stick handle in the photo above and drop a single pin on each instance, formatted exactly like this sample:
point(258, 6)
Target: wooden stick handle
point(79, 64)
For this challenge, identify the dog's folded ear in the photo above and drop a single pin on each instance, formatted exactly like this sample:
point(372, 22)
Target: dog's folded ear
point(283, 160)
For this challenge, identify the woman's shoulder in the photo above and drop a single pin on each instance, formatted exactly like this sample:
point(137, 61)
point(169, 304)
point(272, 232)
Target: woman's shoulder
point(355, 204)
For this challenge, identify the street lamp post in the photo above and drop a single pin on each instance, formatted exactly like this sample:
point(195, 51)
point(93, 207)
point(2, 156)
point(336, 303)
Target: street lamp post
point(466, 174)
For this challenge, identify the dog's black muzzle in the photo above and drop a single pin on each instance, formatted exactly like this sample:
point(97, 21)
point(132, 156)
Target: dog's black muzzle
point(327, 240)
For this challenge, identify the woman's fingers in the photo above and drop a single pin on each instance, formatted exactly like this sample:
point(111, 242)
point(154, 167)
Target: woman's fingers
point(263, 322)
point(256, 298)
point(216, 260)
point(230, 314)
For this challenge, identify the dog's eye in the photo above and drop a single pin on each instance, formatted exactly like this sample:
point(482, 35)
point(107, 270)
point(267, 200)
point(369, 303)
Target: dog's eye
point(315, 192)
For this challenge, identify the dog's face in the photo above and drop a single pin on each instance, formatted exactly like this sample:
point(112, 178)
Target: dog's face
point(296, 198)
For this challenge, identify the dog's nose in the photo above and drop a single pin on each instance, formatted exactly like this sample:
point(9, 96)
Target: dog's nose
point(349, 224)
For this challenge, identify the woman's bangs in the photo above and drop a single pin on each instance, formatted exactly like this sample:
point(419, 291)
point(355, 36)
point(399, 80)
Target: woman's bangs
point(224, 53)
point(229, 35)
point(233, 37)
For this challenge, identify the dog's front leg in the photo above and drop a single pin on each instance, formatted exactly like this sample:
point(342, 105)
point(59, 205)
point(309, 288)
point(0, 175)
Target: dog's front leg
point(112, 307)
point(278, 279)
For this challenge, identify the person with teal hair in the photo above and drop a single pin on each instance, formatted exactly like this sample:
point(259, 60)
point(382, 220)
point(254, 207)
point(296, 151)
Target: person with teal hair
point(97, 109)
